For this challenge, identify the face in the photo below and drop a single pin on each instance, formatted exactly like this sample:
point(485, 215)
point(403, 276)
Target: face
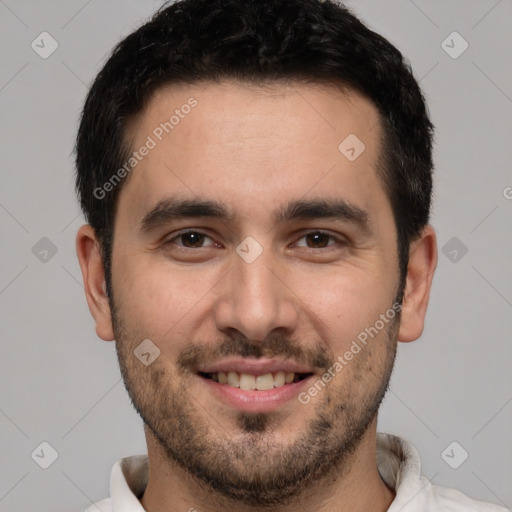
point(249, 249)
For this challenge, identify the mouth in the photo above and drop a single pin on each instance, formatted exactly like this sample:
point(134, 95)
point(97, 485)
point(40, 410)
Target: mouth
point(255, 385)
point(249, 382)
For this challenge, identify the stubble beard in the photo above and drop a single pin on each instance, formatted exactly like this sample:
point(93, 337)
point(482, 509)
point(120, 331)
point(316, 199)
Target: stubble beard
point(252, 467)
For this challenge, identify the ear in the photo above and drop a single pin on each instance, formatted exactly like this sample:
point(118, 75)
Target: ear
point(420, 272)
point(93, 274)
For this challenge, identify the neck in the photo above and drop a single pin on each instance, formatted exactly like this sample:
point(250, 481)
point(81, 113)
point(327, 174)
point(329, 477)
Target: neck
point(358, 489)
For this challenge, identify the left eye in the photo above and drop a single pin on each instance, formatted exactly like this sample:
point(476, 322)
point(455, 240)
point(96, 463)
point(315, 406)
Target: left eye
point(319, 239)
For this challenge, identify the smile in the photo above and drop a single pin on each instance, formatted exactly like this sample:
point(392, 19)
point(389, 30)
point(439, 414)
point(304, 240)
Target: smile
point(255, 385)
point(247, 382)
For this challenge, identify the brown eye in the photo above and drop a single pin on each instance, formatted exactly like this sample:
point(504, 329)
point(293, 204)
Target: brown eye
point(189, 240)
point(318, 240)
point(192, 239)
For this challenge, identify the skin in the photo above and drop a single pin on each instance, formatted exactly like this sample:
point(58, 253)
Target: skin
point(254, 149)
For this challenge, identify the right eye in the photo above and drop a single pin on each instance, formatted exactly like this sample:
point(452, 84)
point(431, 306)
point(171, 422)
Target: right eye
point(190, 239)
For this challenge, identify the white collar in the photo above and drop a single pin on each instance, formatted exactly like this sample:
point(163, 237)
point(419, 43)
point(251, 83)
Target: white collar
point(398, 464)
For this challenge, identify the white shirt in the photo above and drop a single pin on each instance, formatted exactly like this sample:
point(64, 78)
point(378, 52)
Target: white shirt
point(398, 463)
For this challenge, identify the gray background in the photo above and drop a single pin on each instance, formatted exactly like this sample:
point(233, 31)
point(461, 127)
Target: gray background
point(61, 384)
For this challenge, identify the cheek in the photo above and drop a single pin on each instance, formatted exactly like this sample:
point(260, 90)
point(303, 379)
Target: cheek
point(151, 297)
point(344, 303)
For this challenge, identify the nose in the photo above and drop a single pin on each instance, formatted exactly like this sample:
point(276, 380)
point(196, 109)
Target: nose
point(256, 299)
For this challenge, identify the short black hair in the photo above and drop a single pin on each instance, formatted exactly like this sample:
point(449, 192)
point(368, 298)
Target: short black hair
point(257, 41)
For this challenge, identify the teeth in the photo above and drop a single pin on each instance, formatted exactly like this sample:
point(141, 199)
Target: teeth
point(234, 379)
point(264, 382)
point(246, 381)
point(279, 379)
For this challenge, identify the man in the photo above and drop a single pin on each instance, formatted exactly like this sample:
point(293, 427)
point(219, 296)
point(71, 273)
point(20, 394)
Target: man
point(257, 175)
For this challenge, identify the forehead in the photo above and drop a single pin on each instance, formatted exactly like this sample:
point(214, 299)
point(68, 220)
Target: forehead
point(253, 145)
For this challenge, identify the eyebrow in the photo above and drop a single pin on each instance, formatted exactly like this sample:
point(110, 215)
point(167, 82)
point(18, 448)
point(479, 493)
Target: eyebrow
point(175, 208)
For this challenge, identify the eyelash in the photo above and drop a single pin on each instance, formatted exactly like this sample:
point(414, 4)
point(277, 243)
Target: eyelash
point(312, 232)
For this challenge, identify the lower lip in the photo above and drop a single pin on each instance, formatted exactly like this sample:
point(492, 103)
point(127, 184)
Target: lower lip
point(256, 401)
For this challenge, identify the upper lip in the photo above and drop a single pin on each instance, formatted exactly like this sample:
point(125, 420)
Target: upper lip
point(254, 366)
